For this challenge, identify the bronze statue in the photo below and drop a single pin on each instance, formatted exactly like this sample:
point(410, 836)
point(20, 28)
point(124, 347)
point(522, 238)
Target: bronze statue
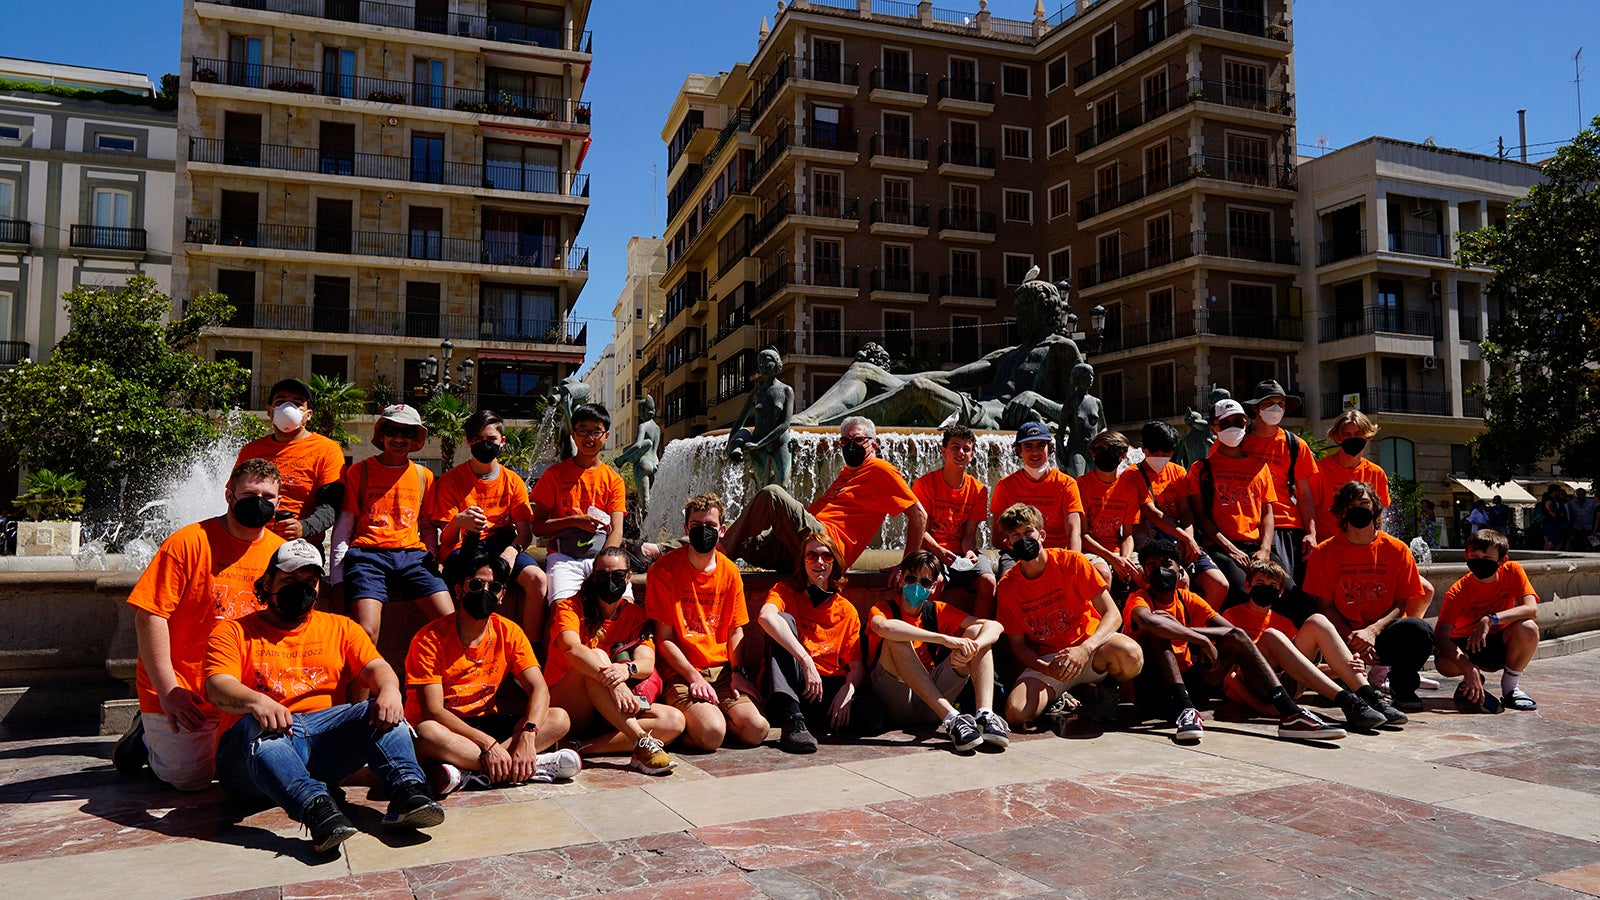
point(764, 446)
point(570, 395)
point(644, 453)
point(1082, 417)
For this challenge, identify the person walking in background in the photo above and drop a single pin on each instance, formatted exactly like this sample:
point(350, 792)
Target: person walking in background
point(1478, 518)
point(1428, 523)
point(1554, 508)
point(1580, 520)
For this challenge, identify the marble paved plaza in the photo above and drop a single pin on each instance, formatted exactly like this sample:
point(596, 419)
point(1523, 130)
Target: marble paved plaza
point(1452, 806)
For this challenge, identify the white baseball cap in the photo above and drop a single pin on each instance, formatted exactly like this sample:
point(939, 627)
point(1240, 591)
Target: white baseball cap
point(292, 556)
point(1226, 408)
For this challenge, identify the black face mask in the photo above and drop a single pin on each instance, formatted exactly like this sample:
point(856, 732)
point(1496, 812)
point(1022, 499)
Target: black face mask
point(1359, 517)
point(480, 604)
point(610, 585)
point(1107, 460)
point(293, 601)
point(854, 454)
point(1025, 549)
point(1353, 446)
point(253, 512)
point(703, 537)
point(818, 595)
point(485, 451)
point(1163, 580)
point(1483, 568)
point(1264, 595)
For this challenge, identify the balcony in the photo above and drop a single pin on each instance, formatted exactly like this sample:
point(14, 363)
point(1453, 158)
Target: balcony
point(841, 278)
point(769, 156)
point(960, 218)
point(1470, 327)
point(899, 282)
point(968, 156)
point(494, 176)
point(696, 172)
point(15, 231)
point(650, 366)
point(968, 287)
point(910, 215)
point(408, 18)
point(1238, 95)
point(1250, 248)
point(1342, 246)
point(889, 146)
point(1235, 170)
point(396, 323)
point(734, 323)
point(13, 352)
point(1143, 38)
point(1384, 400)
point(827, 137)
point(382, 90)
point(415, 246)
point(1417, 243)
point(1203, 322)
point(100, 237)
point(825, 72)
point(1252, 24)
point(963, 95)
point(1378, 320)
point(897, 82)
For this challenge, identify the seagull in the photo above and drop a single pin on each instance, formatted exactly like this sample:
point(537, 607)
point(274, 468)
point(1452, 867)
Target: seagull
point(1032, 275)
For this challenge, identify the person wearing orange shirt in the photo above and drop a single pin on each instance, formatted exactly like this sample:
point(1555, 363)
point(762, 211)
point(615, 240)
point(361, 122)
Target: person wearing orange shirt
point(1039, 485)
point(814, 664)
point(1233, 499)
point(1351, 431)
point(956, 503)
point(380, 549)
point(603, 670)
point(309, 463)
point(1160, 488)
point(579, 505)
point(454, 670)
point(1110, 509)
point(1291, 464)
point(695, 596)
point(203, 574)
point(1489, 620)
point(1367, 584)
point(276, 674)
point(1059, 622)
point(1173, 627)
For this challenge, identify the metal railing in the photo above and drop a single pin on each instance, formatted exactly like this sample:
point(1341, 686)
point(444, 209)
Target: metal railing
point(1227, 93)
point(330, 319)
point(1342, 246)
point(731, 325)
point(982, 288)
point(806, 275)
point(894, 80)
point(409, 18)
point(969, 91)
point(13, 352)
point(966, 155)
point(1470, 327)
point(901, 282)
point(1145, 36)
point(897, 147)
point(829, 72)
point(504, 176)
point(1378, 319)
point(913, 214)
point(1239, 170)
point(418, 245)
point(769, 156)
point(1246, 247)
point(1200, 322)
point(1386, 400)
point(961, 218)
point(101, 237)
point(827, 137)
point(15, 231)
point(1417, 243)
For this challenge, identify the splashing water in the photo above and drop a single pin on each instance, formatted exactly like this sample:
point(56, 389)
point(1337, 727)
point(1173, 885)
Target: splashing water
point(1421, 551)
point(194, 491)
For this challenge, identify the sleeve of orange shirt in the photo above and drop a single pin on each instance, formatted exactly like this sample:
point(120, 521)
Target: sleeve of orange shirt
point(329, 467)
point(1410, 585)
point(358, 649)
point(225, 651)
point(519, 650)
point(162, 584)
point(422, 660)
point(443, 502)
point(521, 505)
point(1074, 502)
point(615, 491)
point(565, 617)
point(543, 492)
point(1450, 608)
point(892, 493)
point(1380, 483)
point(776, 595)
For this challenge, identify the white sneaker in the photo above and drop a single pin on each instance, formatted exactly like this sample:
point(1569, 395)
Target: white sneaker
point(1428, 684)
point(444, 780)
point(558, 765)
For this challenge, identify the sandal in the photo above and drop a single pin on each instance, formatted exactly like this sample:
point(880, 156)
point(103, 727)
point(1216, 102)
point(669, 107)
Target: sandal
point(1519, 701)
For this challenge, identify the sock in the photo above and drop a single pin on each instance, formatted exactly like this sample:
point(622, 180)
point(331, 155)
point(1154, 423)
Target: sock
point(1508, 680)
point(1369, 695)
point(985, 709)
point(1378, 675)
point(1178, 698)
point(1344, 697)
point(949, 718)
point(1279, 698)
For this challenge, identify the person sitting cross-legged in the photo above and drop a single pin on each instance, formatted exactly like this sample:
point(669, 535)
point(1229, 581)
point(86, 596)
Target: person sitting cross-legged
point(927, 652)
point(1487, 621)
point(1174, 626)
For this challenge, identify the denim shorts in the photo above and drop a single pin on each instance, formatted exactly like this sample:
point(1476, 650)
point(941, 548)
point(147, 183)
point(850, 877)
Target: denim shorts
point(371, 573)
point(522, 561)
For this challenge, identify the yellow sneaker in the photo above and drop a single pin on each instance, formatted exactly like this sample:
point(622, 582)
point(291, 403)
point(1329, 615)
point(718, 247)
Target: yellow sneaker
point(650, 756)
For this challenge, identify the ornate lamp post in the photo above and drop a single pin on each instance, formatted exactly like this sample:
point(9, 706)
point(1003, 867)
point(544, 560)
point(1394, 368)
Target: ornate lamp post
point(436, 377)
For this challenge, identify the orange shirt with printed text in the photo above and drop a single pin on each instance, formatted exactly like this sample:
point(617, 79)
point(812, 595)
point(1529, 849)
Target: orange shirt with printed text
point(1255, 622)
point(568, 489)
point(1363, 580)
point(305, 669)
point(1330, 477)
point(1054, 610)
point(1055, 495)
point(1274, 451)
point(1110, 509)
point(306, 464)
point(1167, 488)
point(504, 501)
point(854, 506)
point(950, 509)
point(830, 632)
point(631, 626)
point(1469, 599)
point(1241, 491)
point(470, 676)
point(389, 511)
point(702, 608)
point(1191, 611)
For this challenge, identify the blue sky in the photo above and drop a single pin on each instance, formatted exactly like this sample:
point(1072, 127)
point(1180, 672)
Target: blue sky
point(1453, 70)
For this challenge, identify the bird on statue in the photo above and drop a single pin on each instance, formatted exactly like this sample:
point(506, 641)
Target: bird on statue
point(1033, 273)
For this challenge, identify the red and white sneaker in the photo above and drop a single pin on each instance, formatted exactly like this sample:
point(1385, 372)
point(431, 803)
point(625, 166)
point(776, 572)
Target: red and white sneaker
point(1189, 728)
point(1306, 725)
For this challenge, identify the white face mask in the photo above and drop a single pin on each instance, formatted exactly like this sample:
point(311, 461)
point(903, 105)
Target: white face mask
point(1036, 473)
point(1271, 415)
point(1231, 437)
point(1157, 463)
point(287, 417)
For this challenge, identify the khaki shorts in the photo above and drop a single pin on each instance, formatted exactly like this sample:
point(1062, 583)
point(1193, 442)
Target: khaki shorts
point(187, 760)
point(904, 707)
point(1087, 676)
point(721, 678)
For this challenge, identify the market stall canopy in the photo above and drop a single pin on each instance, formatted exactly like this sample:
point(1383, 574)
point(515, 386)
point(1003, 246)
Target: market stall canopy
point(1509, 491)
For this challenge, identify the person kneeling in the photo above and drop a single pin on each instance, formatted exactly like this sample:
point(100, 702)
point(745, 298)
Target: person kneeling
point(929, 651)
point(276, 672)
point(603, 669)
point(455, 666)
point(1488, 620)
point(814, 649)
point(1172, 625)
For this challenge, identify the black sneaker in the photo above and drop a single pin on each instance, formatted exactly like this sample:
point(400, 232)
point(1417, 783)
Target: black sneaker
point(410, 806)
point(1358, 716)
point(1408, 701)
point(1189, 727)
point(1306, 725)
point(963, 732)
point(994, 728)
point(329, 827)
point(1391, 715)
point(131, 756)
point(796, 737)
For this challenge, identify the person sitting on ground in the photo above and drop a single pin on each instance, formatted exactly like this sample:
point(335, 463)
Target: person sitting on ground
point(1291, 651)
point(1367, 584)
point(1488, 621)
point(579, 505)
point(204, 573)
point(311, 465)
point(1059, 622)
point(275, 674)
point(1042, 486)
point(379, 546)
point(454, 670)
point(925, 652)
point(603, 670)
point(481, 506)
point(695, 596)
point(1165, 513)
point(1351, 431)
point(1110, 509)
point(1172, 625)
point(956, 502)
point(1233, 498)
point(814, 664)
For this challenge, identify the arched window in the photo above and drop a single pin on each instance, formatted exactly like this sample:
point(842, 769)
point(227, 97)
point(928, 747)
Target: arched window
point(1398, 456)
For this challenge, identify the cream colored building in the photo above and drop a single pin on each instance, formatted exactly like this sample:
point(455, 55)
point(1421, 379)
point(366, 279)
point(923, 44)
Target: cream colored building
point(641, 302)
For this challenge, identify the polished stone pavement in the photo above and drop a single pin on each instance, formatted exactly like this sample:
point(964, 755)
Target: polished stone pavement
point(1453, 805)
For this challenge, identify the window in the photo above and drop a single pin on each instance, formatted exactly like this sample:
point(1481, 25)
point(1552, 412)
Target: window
point(509, 313)
point(331, 366)
point(1105, 50)
point(1244, 84)
point(116, 143)
point(1458, 459)
point(422, 309)
point(1158, 239)
point(1249, 372)
point(1017, 266)
point(427, 77)
point(1061, 264)
point(896, 74)
point(112, 209)
point(826, 267)
point(963, 269)
point(825, 127)
point(1059, 199)
point(896, 135)
point(1247, 159)
point(897, 262)
point(1109, 248)
point(1155, 94)
point(1160, 318)
point(244, 61)
point(1016, 143)
point(1014, 80)
point(966, 338)
point(827, 61)
point(330, 304)
point(338, 72)
point(827, 194)
point(1157, 167)
point(827, 331)
point(521, 167)
point(427, 158)
point(1107, 182)
point(1398, 457)
point(897, 333)
point(1250, 234)
point(1253, 311)
point(964, 199)
point(1163, 390)
point(8, 199)
point(1056, 136)
point(896, 203)
point(1111, 396)
point(1055, 74)
point(1105, 118)
point(1018, 205)
point(10, 132)
point(239, 286)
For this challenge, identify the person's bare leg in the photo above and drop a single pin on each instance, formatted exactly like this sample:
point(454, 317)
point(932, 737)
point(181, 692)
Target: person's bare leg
point(1282, 653)
point(1213, 587)
point(747, 725)
point(368, 613)
point(436, 743)
point(436, 605)
point(704, 726)
point(981, 671)
point(1317, 635)
point(1027, 701)
point(1522, 642)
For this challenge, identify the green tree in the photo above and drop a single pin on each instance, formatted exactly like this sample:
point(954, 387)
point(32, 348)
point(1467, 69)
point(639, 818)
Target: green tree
point(1541, 397)
point(334, 402)
point(518, 452)
point(122, 397)
point(446, 416)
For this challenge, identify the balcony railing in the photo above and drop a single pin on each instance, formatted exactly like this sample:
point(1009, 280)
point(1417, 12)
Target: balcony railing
point(384, 90)
point(1143, 38)
point(1239, 170)
point(961, 218)
point(101, 237)
point(1231, 246)
point(1417, 243)
point(897, 147)
point(396, 323)
point(1199, 322)
point(769, 156)
point(1470, 328)
point(829, 72)
point(808, 276)
point(495, 176)
point(15, 231)
point(1228, 93)
point(393, 15)
point(733, 324)
point(968, 286)
point(894, 80)
point(1342, 246)
point(913, 214)
point(413, 245)
point(827, 137)
point(969, 91)
point(13, 352)
point(1237, 21)
point(1385, 400)
point(1376, 319)
point(900, 282)
point(966, 155)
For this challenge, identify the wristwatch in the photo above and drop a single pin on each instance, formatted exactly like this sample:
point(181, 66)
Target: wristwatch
point(1494, 619)
point(530, 728)
point(633, 669)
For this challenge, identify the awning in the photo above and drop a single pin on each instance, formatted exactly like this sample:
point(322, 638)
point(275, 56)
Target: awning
point(1509, 491)
point(1537, 485)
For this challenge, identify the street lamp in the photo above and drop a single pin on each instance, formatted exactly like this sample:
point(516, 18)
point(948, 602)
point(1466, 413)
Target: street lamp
point(1097, 326)
point(435, 373)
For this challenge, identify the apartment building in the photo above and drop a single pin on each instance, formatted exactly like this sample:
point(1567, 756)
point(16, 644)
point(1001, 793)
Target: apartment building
point(601, 379)
point(641, 302)
point(85, 194)
point(369, 180)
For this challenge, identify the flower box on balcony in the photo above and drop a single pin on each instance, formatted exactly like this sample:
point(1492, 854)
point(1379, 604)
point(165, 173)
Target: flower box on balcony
point(209, 76)
point(581, 116)
point(294, 87)
point(387, 97)
point(469, 106)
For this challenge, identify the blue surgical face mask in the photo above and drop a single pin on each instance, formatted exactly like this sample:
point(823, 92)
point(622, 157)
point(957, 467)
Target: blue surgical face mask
point(915, 595)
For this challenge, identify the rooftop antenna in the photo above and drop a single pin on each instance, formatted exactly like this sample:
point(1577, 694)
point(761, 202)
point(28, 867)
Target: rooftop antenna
point(1322, 142)
point(1577, 81)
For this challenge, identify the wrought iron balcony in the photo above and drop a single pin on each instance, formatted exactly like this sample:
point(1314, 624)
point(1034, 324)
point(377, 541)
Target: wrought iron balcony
point(1417, 243)
point(1189, 323)
point(1239, 170)
point(912, 214)
point(970, 155)
point(1253, 248)
point(899, 147)
point(1417, 403)
point(13, 352)
point(1240, 95)
point(808, 276)
point(1144, 37)
point(1342, 246)
point(900, 281)
point(969, 91)
point(101, 237)
point(409, 18)
point(826, 71)
point(15, 231)
point(1378, 319)
point(311, 317)
point(961, 218)
point(896, 80)
point(414, 245)
point(968, 286)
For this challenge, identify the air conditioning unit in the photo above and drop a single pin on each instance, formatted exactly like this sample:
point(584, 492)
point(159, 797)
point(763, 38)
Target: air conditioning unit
point(1435, 289)
point(1429, 363)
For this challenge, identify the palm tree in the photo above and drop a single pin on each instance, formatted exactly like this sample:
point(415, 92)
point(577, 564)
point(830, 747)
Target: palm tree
point(518, 452)
point(334, 402)
point(446, 416)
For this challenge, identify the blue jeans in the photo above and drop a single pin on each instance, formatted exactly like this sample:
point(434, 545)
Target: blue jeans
point(323, 747)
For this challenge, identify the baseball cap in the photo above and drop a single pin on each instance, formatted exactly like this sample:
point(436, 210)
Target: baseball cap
point(292, 556)
point(293, 385)
point(1226, 408)
point(1032, 431)
point(401, 414)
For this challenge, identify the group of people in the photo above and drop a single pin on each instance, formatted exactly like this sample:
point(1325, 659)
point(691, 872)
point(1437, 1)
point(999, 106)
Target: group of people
point(1561, 522)
point(1257, 574)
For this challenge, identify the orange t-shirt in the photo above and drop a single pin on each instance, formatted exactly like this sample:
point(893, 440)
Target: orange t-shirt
point(568, 489)
point(854, 506)
point(1054, 610)
point(947, 620)
point(1109, 509)
point(703, 608)
point(1055, 495)
point(1191, 611)
point(1255, 622)
point(470, 676)
point(202, 575)
point(1469, 599)
point(1167, 488)
point(504, 500)
point(1330, 477)
point(1274, 450)
point(388, 512)
point(1363, 581)
point(831, 632)
point(950, 509)
point(304, 669)
point(306, 464)
point(1241, 490)
point(631, 626)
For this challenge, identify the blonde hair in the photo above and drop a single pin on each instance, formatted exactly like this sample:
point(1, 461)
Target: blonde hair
point(1019, 514)
point(1355, 417)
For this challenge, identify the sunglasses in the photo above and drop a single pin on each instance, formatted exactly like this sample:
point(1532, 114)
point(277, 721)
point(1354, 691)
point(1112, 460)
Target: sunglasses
point(925, 582)
point(824, 555)
point(409, 432)
point(493, 587)
point(1234, 422)
point(859, 441)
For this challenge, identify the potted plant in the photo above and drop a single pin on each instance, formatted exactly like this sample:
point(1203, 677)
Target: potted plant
point(49, 503)
point(387, 97)
point(209, 76)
